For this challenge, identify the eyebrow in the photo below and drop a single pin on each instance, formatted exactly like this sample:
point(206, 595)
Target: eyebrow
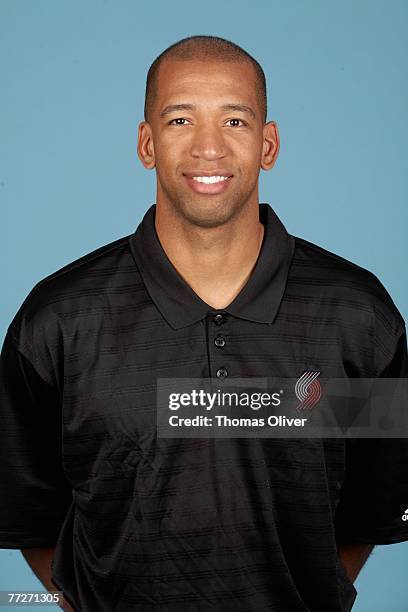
point(243, 108)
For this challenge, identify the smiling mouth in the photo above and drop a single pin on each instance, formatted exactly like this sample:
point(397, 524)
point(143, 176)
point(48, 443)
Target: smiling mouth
point(210, 180)
point(209, 185)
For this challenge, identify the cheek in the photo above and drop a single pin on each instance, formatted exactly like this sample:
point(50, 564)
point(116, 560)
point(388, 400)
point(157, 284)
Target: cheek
point(248, 151)
point(250, 161)
point(170, 152)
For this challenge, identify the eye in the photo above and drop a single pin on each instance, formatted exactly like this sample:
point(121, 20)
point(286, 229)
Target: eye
point(177, 119)
point(236, 119)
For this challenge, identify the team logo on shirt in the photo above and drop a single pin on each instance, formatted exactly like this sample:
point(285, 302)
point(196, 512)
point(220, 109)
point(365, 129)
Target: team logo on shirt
point(308, 390)
point(405, 515)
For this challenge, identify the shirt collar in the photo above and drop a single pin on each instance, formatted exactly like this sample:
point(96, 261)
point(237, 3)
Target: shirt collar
point(258, 300)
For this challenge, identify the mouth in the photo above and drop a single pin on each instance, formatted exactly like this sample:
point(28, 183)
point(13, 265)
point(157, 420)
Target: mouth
point(208, 184)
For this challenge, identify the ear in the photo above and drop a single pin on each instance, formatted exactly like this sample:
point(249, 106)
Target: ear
point(145, 147)
point(270, 147)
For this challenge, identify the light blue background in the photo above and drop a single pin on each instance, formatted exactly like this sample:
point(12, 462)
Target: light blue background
point(72, 91)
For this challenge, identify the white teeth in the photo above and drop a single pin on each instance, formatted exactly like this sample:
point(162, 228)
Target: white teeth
point(210, 179)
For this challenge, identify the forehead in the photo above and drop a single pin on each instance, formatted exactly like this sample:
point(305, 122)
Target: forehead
point(205, 80)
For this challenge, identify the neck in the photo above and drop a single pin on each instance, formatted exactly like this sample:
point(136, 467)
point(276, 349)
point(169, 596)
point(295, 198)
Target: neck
point(216, 262)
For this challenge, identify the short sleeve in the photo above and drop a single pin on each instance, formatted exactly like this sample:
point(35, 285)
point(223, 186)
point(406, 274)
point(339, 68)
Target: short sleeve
point(35, 495)
point(374, 495)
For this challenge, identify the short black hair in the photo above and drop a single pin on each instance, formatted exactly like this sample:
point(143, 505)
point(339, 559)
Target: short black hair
point(204, 47)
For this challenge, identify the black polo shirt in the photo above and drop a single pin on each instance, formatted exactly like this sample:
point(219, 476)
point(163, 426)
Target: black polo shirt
point(146, 523)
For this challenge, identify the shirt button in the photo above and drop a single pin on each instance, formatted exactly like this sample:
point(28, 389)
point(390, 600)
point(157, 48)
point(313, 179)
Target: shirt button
point(219, 341)
point(222, 373)
point(218, 319)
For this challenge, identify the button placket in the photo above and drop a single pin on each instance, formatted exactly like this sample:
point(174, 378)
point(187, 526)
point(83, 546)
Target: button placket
point(220, 340)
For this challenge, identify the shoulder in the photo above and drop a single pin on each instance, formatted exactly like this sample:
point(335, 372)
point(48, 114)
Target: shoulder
point(350, 293)
point(336, 276)
point(83, 283)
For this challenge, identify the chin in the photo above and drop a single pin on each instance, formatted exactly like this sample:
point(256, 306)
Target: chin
point(210, 214)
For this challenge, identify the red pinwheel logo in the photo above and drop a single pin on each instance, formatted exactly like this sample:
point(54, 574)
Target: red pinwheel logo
point(308, 390)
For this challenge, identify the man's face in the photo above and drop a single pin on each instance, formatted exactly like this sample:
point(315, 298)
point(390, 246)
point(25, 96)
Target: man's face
point(199, 128)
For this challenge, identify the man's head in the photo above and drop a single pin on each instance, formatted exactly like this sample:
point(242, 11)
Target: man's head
point(205, 48)
point(205, 113)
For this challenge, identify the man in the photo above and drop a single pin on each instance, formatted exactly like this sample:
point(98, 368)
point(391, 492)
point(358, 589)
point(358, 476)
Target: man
point(209, 285)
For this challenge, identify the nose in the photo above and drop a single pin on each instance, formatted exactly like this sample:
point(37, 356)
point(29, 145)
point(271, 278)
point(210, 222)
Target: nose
point(208, 142)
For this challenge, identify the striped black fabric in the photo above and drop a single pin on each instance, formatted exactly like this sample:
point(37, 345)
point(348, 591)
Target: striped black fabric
point(144, 523)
